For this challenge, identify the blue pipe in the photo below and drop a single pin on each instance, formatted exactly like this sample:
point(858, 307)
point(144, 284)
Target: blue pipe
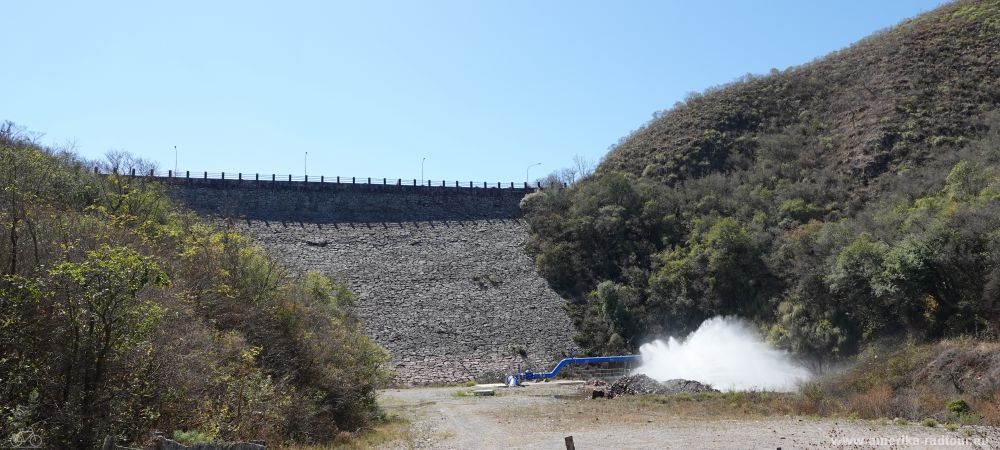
point(529, 375)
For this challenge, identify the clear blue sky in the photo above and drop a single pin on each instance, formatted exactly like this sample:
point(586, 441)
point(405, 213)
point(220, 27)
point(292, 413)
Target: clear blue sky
point(368, 88)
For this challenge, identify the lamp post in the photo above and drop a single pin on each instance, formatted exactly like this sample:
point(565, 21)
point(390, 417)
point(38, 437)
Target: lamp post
point(422, 169)
point(305, 165)
point(175, 160)
point(528, 171)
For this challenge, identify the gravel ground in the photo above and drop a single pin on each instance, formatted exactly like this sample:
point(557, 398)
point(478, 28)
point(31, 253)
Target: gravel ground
point(537, 417)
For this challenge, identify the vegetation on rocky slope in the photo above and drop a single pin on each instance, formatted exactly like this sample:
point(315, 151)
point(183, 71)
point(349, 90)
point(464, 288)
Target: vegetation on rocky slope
point(121, 313)
point(851, 199)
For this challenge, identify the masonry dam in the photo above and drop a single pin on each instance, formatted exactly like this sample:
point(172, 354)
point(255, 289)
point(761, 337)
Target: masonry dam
point(441, 275)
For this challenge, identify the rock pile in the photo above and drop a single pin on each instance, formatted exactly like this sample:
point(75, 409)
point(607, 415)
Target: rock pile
point(643, 385)
point(678, 386)
point(635, 385)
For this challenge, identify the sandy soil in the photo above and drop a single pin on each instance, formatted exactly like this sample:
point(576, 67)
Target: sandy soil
point(541, 416)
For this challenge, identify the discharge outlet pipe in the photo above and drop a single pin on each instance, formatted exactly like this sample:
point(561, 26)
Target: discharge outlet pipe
point(529, 375)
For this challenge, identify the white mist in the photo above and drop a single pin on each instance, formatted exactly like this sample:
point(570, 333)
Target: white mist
point(726, 353)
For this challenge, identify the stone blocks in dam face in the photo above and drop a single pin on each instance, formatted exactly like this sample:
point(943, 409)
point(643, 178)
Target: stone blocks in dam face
point(450, 301)
point(344, 202)
point(442, 278)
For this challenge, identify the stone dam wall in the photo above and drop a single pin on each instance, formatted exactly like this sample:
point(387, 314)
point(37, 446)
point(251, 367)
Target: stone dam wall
point(441, 274)
point(346, 202)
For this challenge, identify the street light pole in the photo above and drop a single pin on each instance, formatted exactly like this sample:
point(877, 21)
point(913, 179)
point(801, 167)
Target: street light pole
point(305, 165)
point(422, 169)
point(175, 160)
point(528, 171)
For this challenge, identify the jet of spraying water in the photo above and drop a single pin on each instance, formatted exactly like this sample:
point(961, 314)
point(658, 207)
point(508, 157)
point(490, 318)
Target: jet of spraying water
point(727, 353)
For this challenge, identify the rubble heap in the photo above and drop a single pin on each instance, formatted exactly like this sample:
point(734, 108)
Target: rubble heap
point(643, 385)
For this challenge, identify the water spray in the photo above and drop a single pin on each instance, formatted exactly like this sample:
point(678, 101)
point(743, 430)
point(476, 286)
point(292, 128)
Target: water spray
point(725, 352)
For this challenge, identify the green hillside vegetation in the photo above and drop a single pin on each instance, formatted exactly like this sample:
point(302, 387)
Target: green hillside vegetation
point(847, 201)
point(121, 313)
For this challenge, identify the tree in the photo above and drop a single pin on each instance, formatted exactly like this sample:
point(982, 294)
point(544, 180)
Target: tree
point(23, 178)
point(720, 272)
point(102, 326)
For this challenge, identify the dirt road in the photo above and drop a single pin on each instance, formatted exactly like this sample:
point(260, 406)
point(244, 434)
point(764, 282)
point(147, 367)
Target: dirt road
point(541, 416)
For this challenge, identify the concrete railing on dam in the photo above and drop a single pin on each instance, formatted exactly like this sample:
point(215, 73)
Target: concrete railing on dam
point(322, 179)
point(442, 278)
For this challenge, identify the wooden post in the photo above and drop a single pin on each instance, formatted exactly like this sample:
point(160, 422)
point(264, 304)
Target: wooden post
point(569, 443)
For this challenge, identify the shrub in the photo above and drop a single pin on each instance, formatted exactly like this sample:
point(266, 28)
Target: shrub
point(120, 312)
point(193, 437)
point(959, 407)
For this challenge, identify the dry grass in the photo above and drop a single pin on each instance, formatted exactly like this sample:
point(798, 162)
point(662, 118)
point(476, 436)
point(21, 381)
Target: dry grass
point(728, 404)
point(874, 403)
point(640, 409)
point(988, 409)
point(911, 382)
point(878, 402)
point(932, 402)
point(394, 433)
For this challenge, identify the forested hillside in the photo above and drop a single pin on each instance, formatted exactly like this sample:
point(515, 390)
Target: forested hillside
point(121, 313)
point(851, 199)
